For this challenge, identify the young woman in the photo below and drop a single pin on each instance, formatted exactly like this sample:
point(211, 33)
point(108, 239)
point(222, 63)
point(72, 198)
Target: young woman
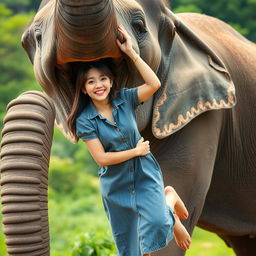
point(139, 208)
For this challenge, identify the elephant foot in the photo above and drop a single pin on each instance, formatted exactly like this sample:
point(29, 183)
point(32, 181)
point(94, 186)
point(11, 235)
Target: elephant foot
point(242, 245)
point(174, 201)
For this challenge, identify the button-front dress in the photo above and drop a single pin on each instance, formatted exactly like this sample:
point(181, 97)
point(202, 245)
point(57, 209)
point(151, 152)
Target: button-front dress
point(132, 191)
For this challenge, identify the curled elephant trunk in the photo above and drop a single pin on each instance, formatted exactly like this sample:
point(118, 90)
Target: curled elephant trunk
point(25, 153)
point(82, 25)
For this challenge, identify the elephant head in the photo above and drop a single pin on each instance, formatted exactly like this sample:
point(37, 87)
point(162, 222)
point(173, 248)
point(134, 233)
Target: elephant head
point(65, 33)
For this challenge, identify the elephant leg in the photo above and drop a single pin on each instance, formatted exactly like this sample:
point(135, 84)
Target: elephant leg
point(25, 153)
point(187, 161)
point(242, 245)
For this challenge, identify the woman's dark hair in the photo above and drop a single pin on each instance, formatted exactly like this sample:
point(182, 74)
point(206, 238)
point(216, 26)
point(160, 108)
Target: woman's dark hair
point(81, 99)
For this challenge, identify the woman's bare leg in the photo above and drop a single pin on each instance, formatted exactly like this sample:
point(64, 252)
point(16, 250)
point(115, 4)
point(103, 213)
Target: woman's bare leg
point(181, 235)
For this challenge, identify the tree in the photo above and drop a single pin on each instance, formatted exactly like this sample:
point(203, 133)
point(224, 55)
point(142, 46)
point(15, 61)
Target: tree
point(240, 14)
point(16, 70)
point(19, 6)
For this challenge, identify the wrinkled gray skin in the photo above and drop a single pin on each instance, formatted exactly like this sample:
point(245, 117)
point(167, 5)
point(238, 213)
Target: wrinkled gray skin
point(211, 161)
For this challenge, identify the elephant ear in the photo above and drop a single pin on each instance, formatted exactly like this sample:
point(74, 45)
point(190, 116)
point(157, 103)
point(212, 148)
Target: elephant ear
point(194, 80)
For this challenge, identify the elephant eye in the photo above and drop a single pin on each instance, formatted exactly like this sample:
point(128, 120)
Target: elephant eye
point(38, 36)
point(139, 26)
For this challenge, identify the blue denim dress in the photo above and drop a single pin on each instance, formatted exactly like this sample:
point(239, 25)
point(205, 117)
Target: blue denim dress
point(132, 191)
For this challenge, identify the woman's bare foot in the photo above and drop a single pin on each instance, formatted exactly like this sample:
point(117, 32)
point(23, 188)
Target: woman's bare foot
point(181, 235)
point(174, 201)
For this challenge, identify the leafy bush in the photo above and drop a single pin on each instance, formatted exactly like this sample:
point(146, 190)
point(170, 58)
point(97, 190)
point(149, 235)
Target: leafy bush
point(239, 14)
point(68, 179)
point(2, 243)
point(63, 148)
point(94, 244)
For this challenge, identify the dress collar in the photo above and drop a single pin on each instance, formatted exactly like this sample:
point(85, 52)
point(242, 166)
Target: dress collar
point(92, 111)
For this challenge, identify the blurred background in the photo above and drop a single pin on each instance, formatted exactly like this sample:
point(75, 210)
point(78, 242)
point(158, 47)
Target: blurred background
point(78, 225)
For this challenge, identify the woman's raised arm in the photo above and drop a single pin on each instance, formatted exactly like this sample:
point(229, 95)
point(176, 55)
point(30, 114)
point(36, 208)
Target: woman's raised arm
point(152, 83)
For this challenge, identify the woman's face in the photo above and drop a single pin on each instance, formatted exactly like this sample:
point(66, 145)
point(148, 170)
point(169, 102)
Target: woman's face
point(97, 85)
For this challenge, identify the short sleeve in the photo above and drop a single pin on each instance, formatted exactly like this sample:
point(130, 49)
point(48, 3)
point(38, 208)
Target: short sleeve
point(85, 129)
point(131, 95)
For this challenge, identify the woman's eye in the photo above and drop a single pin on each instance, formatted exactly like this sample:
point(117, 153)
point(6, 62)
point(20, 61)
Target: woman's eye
point(90, 82)
point(103, 79)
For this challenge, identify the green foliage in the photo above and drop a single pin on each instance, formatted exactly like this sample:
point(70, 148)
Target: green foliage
point(62, 147)
point(74, 199)
point(66, 178)
point(78, 152)
point(3, 251)
point(206, 243)
point(238, 13)
point(85, 160)
point(94, 244)
point(241, 30)
point(4, 11)
point(22, 5)
point(16, 71)
point(69, 218)
point(187, 8)
point(2, 242)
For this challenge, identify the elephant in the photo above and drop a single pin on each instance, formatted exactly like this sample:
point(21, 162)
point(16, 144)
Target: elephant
point(200, 123)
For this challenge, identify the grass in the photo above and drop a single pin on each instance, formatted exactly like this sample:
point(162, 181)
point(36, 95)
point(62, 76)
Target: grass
point(205, 243)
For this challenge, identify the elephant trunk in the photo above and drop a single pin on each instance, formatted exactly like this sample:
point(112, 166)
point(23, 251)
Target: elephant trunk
point(25, 154)
point(85, 30)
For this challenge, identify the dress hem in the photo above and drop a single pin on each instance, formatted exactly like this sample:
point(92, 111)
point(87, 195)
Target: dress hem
point(156, 248)
point(162, 245)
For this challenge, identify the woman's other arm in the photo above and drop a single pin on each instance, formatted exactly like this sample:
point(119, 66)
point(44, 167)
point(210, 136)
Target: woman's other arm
point(103, 158)
point(152, 83)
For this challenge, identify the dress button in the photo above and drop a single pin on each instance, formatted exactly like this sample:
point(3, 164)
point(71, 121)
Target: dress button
point(133, 191)
point(123, 139)
point(117, 128)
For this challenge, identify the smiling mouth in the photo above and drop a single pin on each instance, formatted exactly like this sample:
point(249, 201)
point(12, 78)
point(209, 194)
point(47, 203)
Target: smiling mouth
point(100, 92)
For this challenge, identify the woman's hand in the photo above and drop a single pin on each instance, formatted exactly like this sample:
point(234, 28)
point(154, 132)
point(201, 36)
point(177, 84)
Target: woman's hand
point(126, 46)
point(152, 83)
point(142, 147)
